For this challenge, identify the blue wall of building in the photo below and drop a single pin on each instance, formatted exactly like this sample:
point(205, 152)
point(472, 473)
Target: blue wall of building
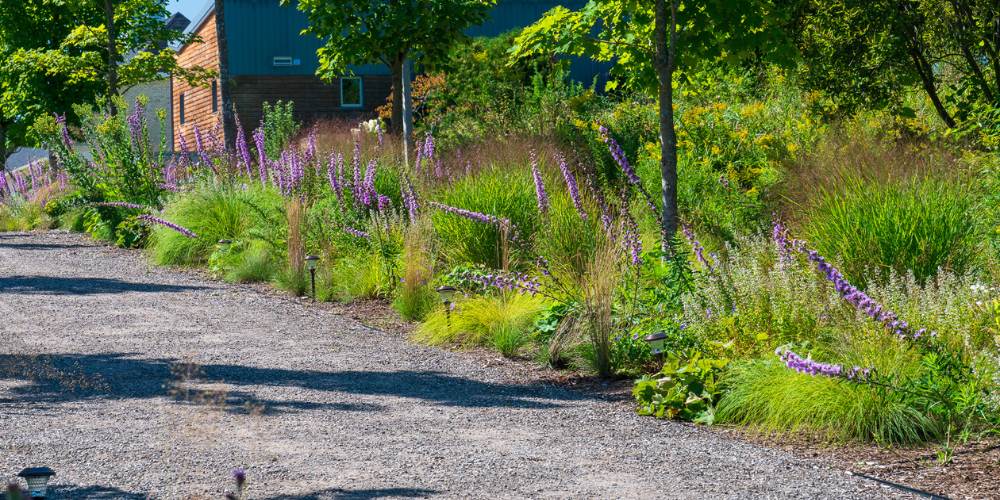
point(257, 31)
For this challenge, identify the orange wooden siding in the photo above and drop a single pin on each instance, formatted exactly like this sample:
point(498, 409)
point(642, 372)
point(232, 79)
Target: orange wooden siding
point(197, 100)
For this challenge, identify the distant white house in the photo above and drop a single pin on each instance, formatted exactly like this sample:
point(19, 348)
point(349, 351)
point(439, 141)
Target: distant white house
point(158, 93)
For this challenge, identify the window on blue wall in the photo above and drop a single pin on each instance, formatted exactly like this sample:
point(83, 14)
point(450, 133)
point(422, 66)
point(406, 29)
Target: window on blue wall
point(215, 96)
point(180, 108)
point(351, 92)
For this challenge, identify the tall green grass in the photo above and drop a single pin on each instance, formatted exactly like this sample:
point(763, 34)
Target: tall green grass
point(213, 212)
point(503, 192)
point(916, 226)
point(504, 321)
point(768, 396)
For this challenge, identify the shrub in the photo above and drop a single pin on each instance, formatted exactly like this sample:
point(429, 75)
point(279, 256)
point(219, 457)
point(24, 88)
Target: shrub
point(918, 226)
point(498, 192)
point(214, 212)
point(279, 127)
point(505, 321)
point(416, 297)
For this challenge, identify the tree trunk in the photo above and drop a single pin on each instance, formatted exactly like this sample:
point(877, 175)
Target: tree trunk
point(665, 60)
point(112, 48)
point(926, 73)
point(407, 110)
point(396, 122)
point(227, 110)
point(4, 153)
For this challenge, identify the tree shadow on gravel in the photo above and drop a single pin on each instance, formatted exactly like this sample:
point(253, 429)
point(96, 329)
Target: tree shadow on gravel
point(67, 491)
point(51, 285)
point(342, 494)
point(72, 377)
point(41, 246)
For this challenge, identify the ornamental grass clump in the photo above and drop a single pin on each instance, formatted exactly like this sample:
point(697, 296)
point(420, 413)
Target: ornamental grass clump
point(919, 226)
point(416, 297)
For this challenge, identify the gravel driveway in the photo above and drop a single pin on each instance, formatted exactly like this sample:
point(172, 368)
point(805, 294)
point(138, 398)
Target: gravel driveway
point(133, 381)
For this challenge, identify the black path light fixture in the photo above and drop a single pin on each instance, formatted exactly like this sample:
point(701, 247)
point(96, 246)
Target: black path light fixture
point(311, 262)
point(656, 341)
point(38, 481)
point(447, 294)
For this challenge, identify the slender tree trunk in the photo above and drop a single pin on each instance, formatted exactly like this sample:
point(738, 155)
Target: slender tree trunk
point(407, 99)
point(396, 122)
point(926, 73)
point(977, 72)
point(665, 59)
point(112, 48)
point(4, 153)
point(226, 101)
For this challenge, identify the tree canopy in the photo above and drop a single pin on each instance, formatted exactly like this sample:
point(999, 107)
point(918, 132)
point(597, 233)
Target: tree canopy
point(361, 31)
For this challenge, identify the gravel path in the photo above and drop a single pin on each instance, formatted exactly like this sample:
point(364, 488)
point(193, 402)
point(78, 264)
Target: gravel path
point(132, 381)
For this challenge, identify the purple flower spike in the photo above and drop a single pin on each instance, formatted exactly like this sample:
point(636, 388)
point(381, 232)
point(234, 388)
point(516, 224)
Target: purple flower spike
point(356, 232)
point(543, 197)
point(699, 251)
point(258, 141)
point(571, 186)
point(121, 204)
point(240, 475)
point(808, 366)
point(476, 216)
point(165, 223)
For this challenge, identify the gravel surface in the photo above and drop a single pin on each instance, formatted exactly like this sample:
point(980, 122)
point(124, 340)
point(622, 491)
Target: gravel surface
point(133, 381)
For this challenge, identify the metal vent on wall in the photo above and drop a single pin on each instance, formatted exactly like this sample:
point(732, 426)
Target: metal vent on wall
point(285, 61)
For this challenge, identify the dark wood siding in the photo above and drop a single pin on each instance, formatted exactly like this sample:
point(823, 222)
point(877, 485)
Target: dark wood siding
point(313, 98)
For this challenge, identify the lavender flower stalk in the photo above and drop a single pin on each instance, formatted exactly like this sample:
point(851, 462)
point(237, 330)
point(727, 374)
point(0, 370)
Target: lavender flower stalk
point(356, 232)
point(335, 166)
point(200, 147)
point(120, 204)
point(631, 239)
point(165, 223)
point(506, 281)
point(806, 365)
point(862, 302)
point(543, 197)
point(476, 216)
point(242, 149)
point(618, 154)
point(571, 186)
point(699, 251)
point(258, 141)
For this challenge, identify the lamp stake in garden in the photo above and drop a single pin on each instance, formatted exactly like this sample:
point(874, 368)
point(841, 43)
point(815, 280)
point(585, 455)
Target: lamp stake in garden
point(38, 481)
point(447, 293)
point(656, 342)
point(311, 261)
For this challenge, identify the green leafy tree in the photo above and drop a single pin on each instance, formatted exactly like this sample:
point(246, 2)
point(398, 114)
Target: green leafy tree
point(58, 53)
point(653, 44)
point(868, 52)
point(29, 88)
point(390, 32)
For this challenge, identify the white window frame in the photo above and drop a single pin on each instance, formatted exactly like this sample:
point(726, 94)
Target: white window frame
point(361, 93)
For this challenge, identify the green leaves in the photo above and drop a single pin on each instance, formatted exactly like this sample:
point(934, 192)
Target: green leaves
point(687, 388)
point(360, 31)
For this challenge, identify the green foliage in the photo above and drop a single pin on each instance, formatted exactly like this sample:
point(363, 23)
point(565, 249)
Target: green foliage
point(56, 55)
point(871, 52)
point(918, 226)
point(358, 32)
point(622, 31)
point(768, 395)
point(214, 212)
point(687, 388)
point(476, 95)
point(279, 127)
point(505, 321)
point(496, 191)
